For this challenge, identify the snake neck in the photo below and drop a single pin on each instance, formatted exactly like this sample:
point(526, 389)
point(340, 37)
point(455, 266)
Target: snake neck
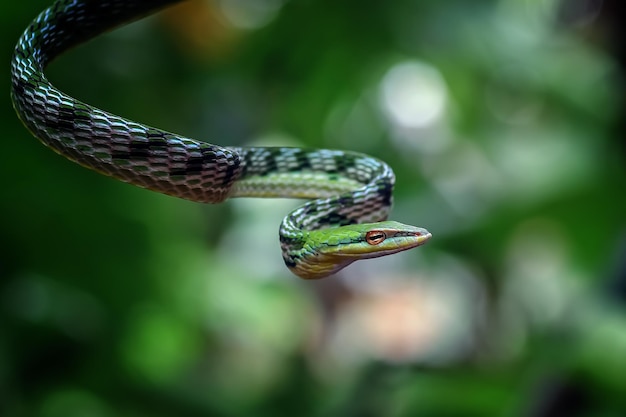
point(300, 247)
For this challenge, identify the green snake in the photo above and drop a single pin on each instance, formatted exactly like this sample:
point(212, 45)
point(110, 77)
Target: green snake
point(350, 194)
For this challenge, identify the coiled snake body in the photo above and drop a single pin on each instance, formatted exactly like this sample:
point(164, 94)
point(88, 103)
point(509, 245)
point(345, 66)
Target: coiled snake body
point(350, 193)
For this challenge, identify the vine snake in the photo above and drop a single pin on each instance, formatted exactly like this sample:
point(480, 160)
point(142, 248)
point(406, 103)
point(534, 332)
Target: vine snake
point(350, 194)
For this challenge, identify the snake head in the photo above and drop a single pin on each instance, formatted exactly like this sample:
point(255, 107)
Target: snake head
point(327, 251)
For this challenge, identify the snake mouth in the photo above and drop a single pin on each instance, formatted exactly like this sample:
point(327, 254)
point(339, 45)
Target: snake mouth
point(410, 241)
point(422, 238)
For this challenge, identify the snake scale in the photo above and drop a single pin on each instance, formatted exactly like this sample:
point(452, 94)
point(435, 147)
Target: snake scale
point(350, 194)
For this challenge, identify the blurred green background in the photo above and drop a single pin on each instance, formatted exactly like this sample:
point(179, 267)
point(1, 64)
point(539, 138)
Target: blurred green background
point(503, 122)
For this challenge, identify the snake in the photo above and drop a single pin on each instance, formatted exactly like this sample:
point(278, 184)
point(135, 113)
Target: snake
point(348, 194)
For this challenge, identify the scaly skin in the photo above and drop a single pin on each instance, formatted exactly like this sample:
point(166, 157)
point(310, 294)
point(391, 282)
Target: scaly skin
point(351, 193)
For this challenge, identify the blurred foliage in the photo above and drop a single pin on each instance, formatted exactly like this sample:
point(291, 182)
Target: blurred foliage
point(501, 120)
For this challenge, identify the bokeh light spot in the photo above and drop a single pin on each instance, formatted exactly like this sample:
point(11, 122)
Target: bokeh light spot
point(413, 94)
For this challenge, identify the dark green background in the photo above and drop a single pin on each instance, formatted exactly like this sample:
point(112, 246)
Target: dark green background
point(116, 301)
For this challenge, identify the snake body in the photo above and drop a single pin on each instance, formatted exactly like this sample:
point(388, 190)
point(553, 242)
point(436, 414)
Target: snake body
point(350, 193)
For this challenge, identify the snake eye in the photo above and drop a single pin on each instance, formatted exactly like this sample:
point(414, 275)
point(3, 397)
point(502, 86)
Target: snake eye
point(375, 237)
